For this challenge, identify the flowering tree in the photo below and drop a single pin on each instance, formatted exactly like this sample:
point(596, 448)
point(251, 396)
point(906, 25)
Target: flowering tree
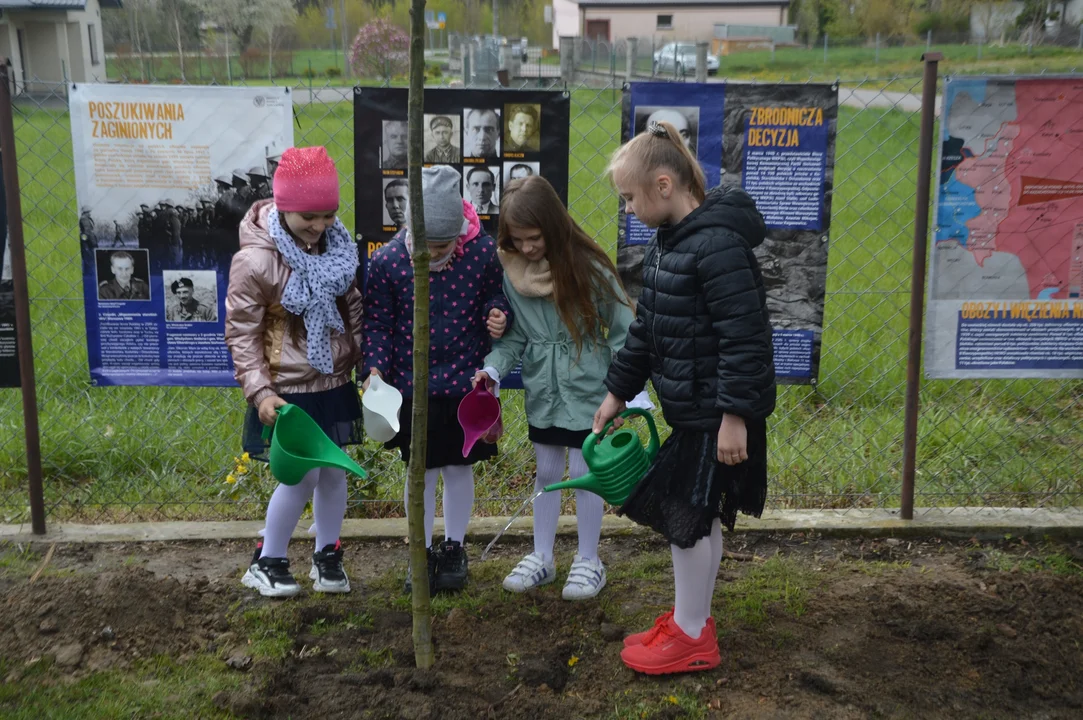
point(380, 50)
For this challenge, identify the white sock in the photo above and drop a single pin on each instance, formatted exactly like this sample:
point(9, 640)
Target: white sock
point(693, 579)
point(430, 501)
point(283, 511)
point(716, 560)
point(589, 508)
point(329, 506)
point(458, 500)
point(547, 506)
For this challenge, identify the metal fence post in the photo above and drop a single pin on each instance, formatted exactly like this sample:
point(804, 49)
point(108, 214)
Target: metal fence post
point(917, 282)
point(825, 48)
point(567, 58)
point(928, 40)
point(633, 57)
point(877, 48)
point(25, 349)
point(701, 62)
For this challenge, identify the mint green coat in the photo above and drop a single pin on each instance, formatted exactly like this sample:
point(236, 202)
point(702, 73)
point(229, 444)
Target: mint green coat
point(562, 390)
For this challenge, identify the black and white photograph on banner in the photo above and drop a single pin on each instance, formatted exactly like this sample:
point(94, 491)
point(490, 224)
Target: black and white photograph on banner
point(684, 119)
point(522, 133)
point(519, 169)
point(481, 132)
point(481, 187)
point(191, 295)
point(394, 145)
point(396, 201)
point(161, 204)
point(442, 139)
point(381, 193)
point(123, 274)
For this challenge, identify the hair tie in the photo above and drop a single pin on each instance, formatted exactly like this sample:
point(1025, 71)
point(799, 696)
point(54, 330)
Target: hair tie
point(654, 128)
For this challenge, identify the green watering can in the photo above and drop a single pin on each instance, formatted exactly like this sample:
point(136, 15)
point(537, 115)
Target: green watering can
point(299, 445)
point(617, 463)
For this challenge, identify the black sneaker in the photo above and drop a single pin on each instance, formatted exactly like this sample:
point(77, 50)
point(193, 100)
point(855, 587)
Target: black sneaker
point(434, 563)
point(327, 570)
point(271, 576)
point(454, 565)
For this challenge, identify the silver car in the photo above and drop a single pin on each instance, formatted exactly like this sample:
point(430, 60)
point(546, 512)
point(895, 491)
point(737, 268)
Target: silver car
point(682, 57)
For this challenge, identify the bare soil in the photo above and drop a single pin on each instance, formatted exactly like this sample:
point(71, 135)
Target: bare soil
point(809, 628)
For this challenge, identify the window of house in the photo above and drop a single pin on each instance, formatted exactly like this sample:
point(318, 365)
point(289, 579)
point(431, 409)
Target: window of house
point(93, 45)
point(665, 22)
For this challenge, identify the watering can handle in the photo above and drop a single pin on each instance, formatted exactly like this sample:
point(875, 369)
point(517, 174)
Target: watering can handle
point(268, 429)
point(593, 439)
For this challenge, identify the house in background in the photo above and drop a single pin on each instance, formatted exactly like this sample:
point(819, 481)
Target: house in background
point(665, 20)
point(52, 41)
point(990, 20)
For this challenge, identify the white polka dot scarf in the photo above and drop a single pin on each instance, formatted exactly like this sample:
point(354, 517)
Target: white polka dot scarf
point(314, 284)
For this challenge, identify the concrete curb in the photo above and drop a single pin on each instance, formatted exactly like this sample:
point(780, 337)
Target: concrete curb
point(983, 523)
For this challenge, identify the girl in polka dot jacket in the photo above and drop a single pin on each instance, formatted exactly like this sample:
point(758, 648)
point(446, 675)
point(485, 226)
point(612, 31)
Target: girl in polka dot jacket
point(467, 309)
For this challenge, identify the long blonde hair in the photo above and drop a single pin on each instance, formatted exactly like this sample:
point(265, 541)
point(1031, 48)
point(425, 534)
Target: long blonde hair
point(659, 147)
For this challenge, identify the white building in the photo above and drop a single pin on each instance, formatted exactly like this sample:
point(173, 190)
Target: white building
point(989, 20)
point(52, 41)
point(665, 20)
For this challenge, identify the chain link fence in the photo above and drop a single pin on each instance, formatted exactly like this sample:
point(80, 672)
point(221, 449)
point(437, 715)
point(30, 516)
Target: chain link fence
point(146, 453)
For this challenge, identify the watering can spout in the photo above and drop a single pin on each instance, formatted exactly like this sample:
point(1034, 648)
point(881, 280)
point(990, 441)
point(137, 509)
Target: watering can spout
point(586, 482)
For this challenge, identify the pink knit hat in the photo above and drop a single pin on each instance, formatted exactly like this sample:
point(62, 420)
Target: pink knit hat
point(306, 181)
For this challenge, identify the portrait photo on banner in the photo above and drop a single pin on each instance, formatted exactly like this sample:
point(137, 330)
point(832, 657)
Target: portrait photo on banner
point(443, 142)
point(393, 155)
point(514, 170)
point(522, 133)
point(396, 201)
point(684, 119)
point(123, 274)
point(481, 188)
point(481, 132)
point(190, 295)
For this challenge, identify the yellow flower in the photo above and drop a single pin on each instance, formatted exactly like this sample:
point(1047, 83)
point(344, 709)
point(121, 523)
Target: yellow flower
point(573, 660)
point(673, 699)
point(242, 469)
point(231, 479)
point(246, 457)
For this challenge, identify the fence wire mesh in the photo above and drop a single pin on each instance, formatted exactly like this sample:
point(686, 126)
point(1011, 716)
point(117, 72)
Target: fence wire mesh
point(146, 453)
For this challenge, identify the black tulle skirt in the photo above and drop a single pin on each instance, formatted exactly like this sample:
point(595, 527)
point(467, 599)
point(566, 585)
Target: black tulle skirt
point(687, 487)
point(337, 412)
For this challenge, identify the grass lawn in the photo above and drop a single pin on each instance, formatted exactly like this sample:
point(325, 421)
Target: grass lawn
point(115, 454)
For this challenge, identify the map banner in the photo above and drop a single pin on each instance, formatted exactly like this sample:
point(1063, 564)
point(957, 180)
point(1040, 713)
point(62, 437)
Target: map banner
point(9, 359)
point(777, 142)
point(1006, 265)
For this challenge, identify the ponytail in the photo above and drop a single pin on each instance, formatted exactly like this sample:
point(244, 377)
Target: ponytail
point(660, 148)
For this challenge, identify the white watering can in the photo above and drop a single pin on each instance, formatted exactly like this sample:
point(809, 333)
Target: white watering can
point(380, 406)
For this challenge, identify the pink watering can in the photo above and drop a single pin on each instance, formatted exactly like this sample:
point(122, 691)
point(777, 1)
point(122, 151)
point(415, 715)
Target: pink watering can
point(479, 415)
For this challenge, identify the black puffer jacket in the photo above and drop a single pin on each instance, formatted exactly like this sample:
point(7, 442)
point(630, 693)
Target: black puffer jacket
point(702, 333)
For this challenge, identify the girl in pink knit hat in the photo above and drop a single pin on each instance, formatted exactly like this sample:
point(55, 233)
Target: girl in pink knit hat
point(293, 326)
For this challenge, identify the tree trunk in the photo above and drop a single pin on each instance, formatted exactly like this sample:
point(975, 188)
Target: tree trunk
point(138, 43)
point(415, 511)
point(180, 44)
point(270, 53)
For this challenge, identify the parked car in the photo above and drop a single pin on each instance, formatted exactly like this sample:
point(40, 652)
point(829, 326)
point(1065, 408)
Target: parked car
point(682, 57)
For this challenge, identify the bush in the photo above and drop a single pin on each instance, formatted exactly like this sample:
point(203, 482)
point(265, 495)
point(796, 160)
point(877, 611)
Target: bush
point(380, 49)
point(309, 74)
point(334, 72)
point(939, 22)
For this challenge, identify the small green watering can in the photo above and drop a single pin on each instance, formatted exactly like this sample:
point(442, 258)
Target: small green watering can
point(299, 445)
point(617, 463)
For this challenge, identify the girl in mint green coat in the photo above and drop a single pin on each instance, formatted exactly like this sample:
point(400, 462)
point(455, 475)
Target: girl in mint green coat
point(571, 316)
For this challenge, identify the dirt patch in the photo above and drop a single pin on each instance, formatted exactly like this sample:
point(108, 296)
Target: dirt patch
point(811, 628)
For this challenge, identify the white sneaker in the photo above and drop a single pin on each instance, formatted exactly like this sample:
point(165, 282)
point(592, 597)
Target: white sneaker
point(586, 579)
point(531, 572)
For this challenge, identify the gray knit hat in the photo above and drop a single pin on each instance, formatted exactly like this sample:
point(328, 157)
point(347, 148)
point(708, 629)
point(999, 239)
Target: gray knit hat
point(444, 218)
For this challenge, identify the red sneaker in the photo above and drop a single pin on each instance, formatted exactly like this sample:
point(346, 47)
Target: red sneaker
point(641, 637)
point(669, 650)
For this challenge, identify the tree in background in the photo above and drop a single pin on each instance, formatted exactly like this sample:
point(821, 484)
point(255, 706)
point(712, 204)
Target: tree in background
point(272, 18)
point(380, 49)
point(1031, 21)
point(180, 17)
